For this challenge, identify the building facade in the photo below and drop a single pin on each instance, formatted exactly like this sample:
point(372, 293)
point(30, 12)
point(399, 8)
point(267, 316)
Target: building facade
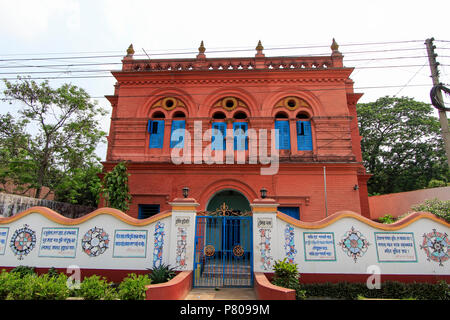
point(227, 128)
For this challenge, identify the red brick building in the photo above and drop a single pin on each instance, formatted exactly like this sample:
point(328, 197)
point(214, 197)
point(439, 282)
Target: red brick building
point(310, 100)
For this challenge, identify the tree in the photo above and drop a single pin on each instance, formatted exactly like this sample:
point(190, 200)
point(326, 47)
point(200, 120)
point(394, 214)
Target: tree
point(54, 136)
point(401, 145)
point(115, 188)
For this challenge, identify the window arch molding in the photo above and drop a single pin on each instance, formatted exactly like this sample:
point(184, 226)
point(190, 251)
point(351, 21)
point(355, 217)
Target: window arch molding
point(313, 107)
point(209, 105)
point(162, 96)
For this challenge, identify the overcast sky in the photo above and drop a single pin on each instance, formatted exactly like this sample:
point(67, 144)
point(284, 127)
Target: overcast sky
point(53, 29)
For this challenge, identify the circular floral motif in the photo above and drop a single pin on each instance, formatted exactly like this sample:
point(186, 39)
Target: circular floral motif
point(23, 241)
point(238, 251)
point(209, 250)
point(95, 242)
point(354, 244)
point(436, 246)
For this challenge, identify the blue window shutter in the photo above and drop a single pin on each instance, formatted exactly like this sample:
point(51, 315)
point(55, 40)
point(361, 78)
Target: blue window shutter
point(177, 136)
point(156, 133)
point(293, 212)
point(283, 139)
point(304, 135)
point(240, 135)
point(217, 142)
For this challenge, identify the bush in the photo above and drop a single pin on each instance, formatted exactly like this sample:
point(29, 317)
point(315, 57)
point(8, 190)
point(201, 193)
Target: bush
point(440, 208)
point(161, 274)
point(22, 271)
point(287, 276)
point(388, 290)
point(387, 219)
point(16, 286)
point(96, 288)
point(434, 183)
point(133, 287)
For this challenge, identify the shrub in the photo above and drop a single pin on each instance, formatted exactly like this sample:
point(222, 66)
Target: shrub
point(440, 208)
point(161, 274)
point(287, 276)
point(96, 288)
point(23, 271)
point(33, 287)
point(388, 290)
point(133, 287)
point(387, 219)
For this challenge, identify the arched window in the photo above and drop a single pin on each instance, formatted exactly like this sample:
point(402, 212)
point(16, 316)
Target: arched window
point(179, 114)
point(304, 132)
point(240, 115)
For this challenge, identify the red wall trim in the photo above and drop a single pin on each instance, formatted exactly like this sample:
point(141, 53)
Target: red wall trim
point(175, 289)
point(267, 291)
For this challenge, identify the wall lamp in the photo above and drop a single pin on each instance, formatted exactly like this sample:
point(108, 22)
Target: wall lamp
point(263, 193)
point(185, 192)
point(355, 187)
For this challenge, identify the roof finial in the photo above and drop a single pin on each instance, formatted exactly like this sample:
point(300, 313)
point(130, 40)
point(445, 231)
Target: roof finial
point(334, 46)
point(130, 50)
point(201, 49)
point(259, 50)
point(259, 47)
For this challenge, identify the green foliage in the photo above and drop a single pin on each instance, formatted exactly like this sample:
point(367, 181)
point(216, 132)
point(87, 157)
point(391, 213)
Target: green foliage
point(30, 286)
point(96, 288)
point(287, 276)
point(401, 145)
point(440, 208)
point(23, 271)
point(161, 274)
point(133, 287)
point(65, 133)
point(115, 188)
point(387, 219)
point(388, 290)
point(434, 183)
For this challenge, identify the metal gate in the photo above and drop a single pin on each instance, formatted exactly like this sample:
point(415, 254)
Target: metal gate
point(223, 251)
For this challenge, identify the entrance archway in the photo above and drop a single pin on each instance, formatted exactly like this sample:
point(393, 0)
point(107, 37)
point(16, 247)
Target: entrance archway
point(224, 242)
point(234, 200)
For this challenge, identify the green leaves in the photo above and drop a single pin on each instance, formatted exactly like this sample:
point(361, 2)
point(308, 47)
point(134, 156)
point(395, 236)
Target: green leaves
point(115, 188)
point(54, 137)
point(401, 145)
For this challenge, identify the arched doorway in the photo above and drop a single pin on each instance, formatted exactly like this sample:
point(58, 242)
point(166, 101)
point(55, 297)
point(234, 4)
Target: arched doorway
point(234, 200)
point(224, 242)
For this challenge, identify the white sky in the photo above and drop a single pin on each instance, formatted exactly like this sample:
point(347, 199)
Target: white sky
point(58, 28)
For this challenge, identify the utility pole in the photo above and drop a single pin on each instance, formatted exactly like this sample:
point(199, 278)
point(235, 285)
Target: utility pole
point(442, 113)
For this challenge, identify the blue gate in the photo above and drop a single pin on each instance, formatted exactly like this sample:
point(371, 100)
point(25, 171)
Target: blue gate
point(223, 251)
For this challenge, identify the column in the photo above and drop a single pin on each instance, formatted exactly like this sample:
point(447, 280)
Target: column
point(264, 234)
point(182, 235)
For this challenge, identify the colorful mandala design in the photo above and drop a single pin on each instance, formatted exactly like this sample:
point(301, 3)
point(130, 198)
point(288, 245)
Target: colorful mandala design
point(354, 244)
point(266, 256)
point(95, 242)
point(436, 246)
point(158, 244)
point(23, 241)
point(289, 244)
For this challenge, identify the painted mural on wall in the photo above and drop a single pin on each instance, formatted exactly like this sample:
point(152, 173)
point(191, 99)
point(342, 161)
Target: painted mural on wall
point(23, 241)
point(181, 248)
point(95, 242)
point(354, 244)
point(436, 246)
point(265, 250)
point(289, 243)
point(159, 244)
